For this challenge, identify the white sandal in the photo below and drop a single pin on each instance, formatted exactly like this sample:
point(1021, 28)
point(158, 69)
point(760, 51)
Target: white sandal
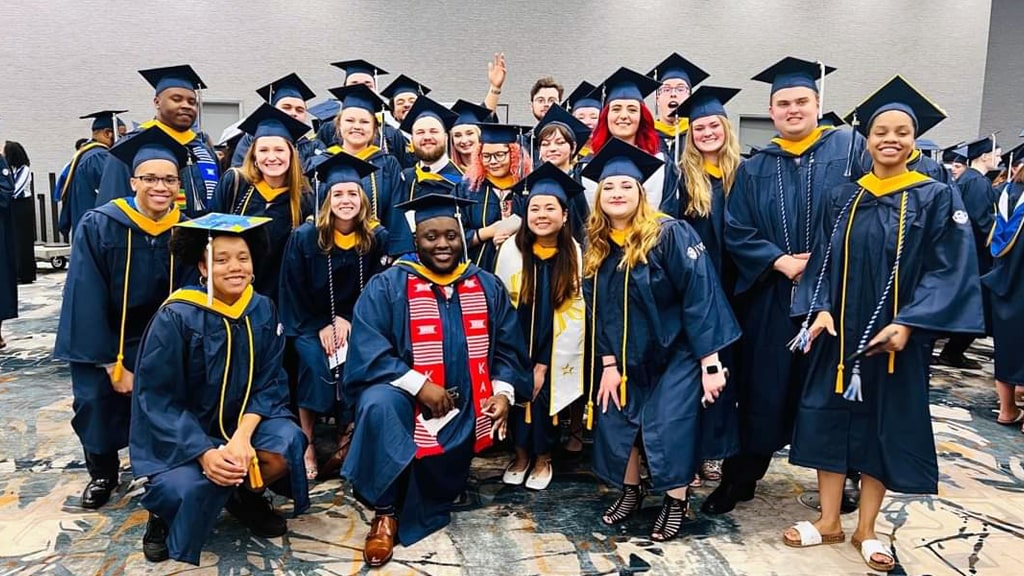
point(514, 478)
point(537, 482)
point(809, 536)
point(869, 548)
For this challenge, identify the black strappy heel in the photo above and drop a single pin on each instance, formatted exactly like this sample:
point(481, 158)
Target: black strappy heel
point(671, 518)
point(631, 499)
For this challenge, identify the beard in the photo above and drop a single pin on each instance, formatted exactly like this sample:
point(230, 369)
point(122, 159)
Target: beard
point(432, 155)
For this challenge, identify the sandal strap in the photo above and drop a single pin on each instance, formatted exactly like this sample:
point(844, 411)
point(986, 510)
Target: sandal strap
point(809, 535)
point(869, 548)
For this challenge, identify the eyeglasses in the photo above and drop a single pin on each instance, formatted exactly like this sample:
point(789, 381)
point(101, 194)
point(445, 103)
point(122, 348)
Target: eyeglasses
point(150, 180)
point(489, 157)
point(681, 90)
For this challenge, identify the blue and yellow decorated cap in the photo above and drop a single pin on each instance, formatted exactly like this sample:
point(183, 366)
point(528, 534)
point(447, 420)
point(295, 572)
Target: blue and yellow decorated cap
point(150, 144)
point(425, 107)
point(830, 118)
point(358, 96)
point(897, 94)
point(359, 67)
point(983, 145)
point(402, 85)
point(469, 113)
point(290, 86)
point(557, 115)
point(625, 84)
point(435, 205)
point(618, 158)
point(269, 121)
point(492, 133)
point(548, 180)
point(224, 223)
point(705, 101)
point(583, 96)
point(675, 67)
point(341, 167)
point(104, 119)
point(792, 73)
point(182, 76)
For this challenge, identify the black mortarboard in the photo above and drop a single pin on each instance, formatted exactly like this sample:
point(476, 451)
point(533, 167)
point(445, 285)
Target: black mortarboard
point(426, 107)
point(290, 86)
point(677, 67)
point(269, 121)
point(980, 146)
point(435, 205)
point(548, 180)
point(897, 94)
point(625, 84)
point(341, 167)
point(404, 84)
point(150, 144)
point(359, 67)
point(104, 119)
point(618, 158)
point(793, 72)
point(830, 118)
point(470, 113)
point(492, 133)
point(583, 97)
point(556, 115)
point(358, 96)
point(182, 76)
point(705, 101)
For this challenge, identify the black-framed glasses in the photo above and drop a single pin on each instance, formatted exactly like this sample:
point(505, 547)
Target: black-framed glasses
point(150, 180)
point(681, 90)
point(488, 157)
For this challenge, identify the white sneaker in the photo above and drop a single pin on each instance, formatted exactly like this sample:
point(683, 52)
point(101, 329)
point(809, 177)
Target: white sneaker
point(513, 478)
point(539, 482)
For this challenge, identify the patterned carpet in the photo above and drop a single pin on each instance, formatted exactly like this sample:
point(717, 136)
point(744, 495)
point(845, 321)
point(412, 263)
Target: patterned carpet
point(974, 526)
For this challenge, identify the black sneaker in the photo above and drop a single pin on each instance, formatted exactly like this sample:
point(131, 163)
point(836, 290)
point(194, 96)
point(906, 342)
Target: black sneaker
point(154, 541)
point(257, 513)
point(963, 362)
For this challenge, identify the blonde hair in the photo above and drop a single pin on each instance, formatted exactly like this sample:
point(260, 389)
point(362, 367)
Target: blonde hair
point(698, 183)
point(297, 183)
point(364, 225)
point(642, 236)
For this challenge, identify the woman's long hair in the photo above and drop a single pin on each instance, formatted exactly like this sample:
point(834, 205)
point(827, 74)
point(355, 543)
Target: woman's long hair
point(641, 237)
point(698, 183)
point(462, 160)
point(565, 281)
point(647, 138)
point(363, 230)
point(520, 164)
point(15, 155)
point(297, 184)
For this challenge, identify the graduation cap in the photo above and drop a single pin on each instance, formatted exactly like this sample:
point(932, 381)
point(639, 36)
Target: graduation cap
point(548, 180)
point(436, 205)
point(1013, 156)
point(182, 76)
point(955, 153)
point(359, 67)
point(583, 97)
point(402, 85)
point(216, 224)
point(980, 146)
point(290, 86)
point(358, 96)
point(269, 121)
point(556, 115)
point(705, 101)
point(793, 72)
point(830, 118)
point(470, 113)
point(425, 107)
point(324, 111)
point(618, 158)
point(492, 133)
point(341, 167)
point(625, 84)
point(104, 120)
point(896, 94)
point(679, 68)
point(150, 144)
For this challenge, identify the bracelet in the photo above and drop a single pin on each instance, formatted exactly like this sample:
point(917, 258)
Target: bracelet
point(494, 90)
point(612, 365)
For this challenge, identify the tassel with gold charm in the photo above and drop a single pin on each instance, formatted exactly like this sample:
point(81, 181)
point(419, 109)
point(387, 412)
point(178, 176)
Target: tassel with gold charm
point(255, 477)
point(590, 415)
point(839, 378)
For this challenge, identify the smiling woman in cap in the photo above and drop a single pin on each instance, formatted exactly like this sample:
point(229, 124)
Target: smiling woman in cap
point(465, 133)
point(290, 95)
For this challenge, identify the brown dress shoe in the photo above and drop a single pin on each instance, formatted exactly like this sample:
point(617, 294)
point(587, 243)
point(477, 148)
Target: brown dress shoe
point(380, 542)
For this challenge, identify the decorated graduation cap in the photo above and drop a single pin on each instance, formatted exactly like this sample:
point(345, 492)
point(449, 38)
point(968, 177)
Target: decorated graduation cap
point(493, 133)
point(705, 101)
point(105, 120)
point(548, 180)
point(793, 72)
point(269, 121)
point(435, 205)
point(469, 113)
point(214, 225)
point(675, 67)
point(425, 107)
point(357, 66)
point(625, 84)
point(555, 115)
point(618, 158)
point(831, 118)
point(358, 96)
point(583, 97)
point(403, 85)
point(896, 94)
point(150, 144)
point(182, 76)
point(290, 86)
point(981, 146)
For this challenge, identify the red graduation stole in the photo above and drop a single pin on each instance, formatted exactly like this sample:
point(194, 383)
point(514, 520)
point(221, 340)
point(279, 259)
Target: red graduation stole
point(428, 353)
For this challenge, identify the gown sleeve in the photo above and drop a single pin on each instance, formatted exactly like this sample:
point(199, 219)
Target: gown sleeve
point(373, 355)
point(270, 384)
point(753, 254)
point(114, 183)
point(294, 296)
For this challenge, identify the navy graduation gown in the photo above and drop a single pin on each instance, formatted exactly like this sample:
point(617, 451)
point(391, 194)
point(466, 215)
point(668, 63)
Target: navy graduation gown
point(305, 303)
point(677, 315)
point(88, 334)
point(308, 146)
point(931, 168)
point(236, 195)
point(770, 377)
point(980, 199)
point(1005, 284)
point(489, 208)
point(9, 264)
point(413, 186)
point(198, 178)
point(889, 435)
point(395, 143)
point(380, 353)
point(82, 184)
point(183, 405)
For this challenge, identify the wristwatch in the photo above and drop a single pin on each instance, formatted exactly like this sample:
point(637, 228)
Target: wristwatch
point(711, 369)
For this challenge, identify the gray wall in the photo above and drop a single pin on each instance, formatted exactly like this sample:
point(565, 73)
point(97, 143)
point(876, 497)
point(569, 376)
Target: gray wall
point(63, 58)
point(1003, 104)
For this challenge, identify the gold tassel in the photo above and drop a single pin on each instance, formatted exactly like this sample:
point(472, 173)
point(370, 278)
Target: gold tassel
point(839, 378)
point(590, 415)
point(622, 391)
point(118, 369)
point(892, 362)
point(529, 418)
point(255, 477)
point(554, 420)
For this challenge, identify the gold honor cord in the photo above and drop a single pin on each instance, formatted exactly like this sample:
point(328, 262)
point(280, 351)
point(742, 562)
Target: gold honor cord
point(119, 365)
point(255, 478)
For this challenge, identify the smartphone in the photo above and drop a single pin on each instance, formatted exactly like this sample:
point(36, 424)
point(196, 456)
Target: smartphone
point(869, 349)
